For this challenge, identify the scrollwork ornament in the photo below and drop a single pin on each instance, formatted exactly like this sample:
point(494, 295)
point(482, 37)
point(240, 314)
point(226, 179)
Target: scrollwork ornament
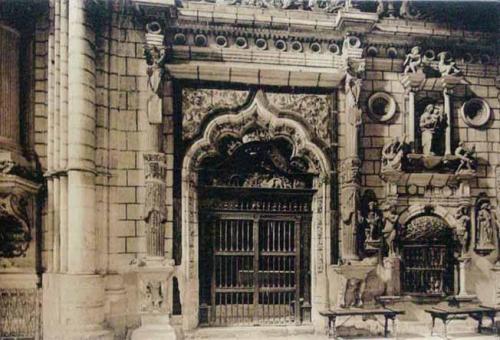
point(15, 232)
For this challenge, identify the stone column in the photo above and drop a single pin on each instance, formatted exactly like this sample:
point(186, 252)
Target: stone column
point(412, 83)
point(75, 298)
point(350, 166)
point(448, 83)
point(154, 271)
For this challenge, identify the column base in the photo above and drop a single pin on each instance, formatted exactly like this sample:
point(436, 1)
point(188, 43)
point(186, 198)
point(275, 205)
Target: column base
point(73, 307)
point(154, 328)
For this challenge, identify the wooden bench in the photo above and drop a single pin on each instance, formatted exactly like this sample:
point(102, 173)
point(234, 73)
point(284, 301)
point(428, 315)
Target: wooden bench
point(332, 316)
point(449, 313)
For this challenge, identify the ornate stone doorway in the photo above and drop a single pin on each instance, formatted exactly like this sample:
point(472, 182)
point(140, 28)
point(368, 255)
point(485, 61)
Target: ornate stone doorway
point(428, 260)
point(255, 217)
point(256, 157)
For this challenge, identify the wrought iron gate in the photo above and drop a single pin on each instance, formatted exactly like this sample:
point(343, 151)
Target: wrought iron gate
point(256, 265)
point(426, 269)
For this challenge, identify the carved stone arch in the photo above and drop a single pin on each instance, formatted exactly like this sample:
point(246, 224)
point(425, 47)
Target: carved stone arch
point(418, 210)
point(253, 122)
point(257, 114)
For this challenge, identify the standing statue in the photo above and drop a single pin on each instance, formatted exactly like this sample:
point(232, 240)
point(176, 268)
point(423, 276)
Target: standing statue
point(373, 219)
point(467, 157)
point(485, 225)
point(462, 230)
point(447, 66)
point(390, 230)
point(352, 91)
point(393, 154)
point(155, 59)
point(431, 121)
point(413, 60)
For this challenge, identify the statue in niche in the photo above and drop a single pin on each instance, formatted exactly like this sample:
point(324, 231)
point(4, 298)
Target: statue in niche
point(372, 219)
point(393, 154)
point(353, 90)
point(447, 66)
point(463, 226)
point(431, 122)
point(413, 60)
point(467, 158)
point(484, 222)
point(390, 230)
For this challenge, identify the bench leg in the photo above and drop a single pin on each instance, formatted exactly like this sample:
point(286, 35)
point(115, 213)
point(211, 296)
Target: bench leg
point(445, 323)
point(332, 329)
point(385, 326)
point(433, 323)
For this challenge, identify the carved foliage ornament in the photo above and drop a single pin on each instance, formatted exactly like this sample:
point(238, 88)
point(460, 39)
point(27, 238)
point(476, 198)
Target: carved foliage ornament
point(197, 104)
point(425, 228)
point(15, 233)
point(315, 109)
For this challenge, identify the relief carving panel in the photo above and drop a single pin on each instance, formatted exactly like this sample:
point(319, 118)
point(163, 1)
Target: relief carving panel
point(313, 108)
point(197, 104)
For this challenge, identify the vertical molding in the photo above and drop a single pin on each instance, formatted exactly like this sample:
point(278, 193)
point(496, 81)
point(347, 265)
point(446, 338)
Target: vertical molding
point(81, 143)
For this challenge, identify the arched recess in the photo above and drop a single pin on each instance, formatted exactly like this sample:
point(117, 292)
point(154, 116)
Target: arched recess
point(429, 251)
point(256, 116)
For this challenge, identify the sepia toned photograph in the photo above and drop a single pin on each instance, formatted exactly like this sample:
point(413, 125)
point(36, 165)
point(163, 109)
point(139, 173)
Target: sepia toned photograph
point(249, 169)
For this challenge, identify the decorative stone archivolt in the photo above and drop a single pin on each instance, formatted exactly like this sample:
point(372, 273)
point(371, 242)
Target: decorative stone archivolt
point(475, 112)
point(381, 107)
point(258, 115)
point(197, 104)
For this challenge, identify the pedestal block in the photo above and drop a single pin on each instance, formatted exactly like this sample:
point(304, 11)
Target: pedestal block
point(392, 265)
point(153, 276)
point(73, 307)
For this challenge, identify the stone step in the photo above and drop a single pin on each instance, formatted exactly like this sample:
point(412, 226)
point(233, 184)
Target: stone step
point(249, 332)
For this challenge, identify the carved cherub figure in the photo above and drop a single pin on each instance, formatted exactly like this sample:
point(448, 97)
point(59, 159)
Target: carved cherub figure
point(467, 157)
point(447, 66)
point(413, 60)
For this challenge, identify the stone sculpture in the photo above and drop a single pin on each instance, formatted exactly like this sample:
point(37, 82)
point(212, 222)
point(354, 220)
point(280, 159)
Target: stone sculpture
point(413, 60)
point(353, 293)
point(393, 154)
point(467, 158)
point(447, 66)
point(390, 230)
point(463, 226)
point(352, 91)
point(373, 221)
point(431, 121)
point(484, 223)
